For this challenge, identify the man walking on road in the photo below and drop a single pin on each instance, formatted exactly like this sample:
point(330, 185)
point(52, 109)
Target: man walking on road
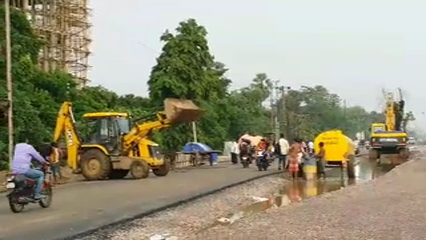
point(320, 160)
point(283, 150)
point(54, 163)
point(21, 164)
point(235, 152)
point(310, 147)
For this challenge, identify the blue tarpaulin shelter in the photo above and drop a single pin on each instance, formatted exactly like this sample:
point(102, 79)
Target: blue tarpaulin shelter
point(193, 147)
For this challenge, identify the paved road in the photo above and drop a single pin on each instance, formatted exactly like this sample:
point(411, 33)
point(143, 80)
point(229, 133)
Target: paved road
point(81, 206)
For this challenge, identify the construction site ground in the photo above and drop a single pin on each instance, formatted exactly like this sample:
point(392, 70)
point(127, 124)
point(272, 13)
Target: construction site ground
point(391, 207)
point(81, 206)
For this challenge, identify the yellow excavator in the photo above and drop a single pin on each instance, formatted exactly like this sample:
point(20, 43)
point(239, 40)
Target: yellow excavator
point(389, 137)
point(114, 145)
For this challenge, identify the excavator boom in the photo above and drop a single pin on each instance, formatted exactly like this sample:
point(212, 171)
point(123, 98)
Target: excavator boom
point(390, 112)
point(65, 124)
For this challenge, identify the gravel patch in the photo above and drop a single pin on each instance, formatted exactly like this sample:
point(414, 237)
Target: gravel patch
point(194, 216)
point(389, 207)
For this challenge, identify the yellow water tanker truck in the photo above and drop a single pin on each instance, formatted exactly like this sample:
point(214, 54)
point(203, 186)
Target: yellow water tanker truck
point(339, 150)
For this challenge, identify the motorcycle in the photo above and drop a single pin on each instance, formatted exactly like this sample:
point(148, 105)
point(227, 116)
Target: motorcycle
point(246, 160)
point(262, 160)
point(246, 155)
point(21, 191)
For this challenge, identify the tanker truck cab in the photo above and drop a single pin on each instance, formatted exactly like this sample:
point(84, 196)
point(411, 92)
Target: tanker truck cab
point(339, 150)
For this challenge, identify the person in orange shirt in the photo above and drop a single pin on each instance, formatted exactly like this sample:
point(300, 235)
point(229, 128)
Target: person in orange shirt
point(320, 160)
point(261, 151)
point(262, 145)
point(54, 163)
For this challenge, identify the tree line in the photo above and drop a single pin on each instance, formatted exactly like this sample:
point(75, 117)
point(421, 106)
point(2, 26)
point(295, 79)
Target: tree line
point(184, 69)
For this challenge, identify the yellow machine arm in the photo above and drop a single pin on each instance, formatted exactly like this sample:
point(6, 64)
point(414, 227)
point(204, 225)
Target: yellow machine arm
point(65, 123)
point(142, 130)
point(390, 111)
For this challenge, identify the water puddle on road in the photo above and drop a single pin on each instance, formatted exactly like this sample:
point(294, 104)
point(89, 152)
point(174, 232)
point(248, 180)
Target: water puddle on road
point(296, 191)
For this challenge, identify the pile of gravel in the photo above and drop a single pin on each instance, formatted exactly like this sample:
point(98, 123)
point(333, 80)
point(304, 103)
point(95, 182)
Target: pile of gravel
point(390, 207)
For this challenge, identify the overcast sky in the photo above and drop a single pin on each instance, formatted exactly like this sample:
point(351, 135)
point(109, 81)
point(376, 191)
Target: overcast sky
point(353, 47)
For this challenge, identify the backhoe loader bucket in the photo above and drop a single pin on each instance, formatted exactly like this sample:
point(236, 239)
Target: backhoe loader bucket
point(181, 110)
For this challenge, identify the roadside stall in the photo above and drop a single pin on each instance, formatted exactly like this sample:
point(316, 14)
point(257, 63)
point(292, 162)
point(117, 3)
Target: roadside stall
point(200, 154)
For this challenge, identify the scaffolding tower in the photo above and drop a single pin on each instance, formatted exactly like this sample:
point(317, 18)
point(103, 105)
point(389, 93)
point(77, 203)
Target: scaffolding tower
point(65, 26)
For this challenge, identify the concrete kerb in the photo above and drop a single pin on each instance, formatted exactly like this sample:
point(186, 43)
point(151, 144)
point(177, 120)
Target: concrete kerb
point(163, 208)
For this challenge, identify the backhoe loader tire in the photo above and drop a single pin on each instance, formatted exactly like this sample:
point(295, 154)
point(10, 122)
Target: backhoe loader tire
point(351, 168)
point(118, 174)
point(163, 170)
point(373, 154)
point(139, 169)
point(95, 165)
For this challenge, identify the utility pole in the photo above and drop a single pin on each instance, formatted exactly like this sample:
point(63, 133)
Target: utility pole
point(344, 107)
point(194, 131)
point(284, 112)
point(9, 79)
point(271, 99)
point(274, 110)
point(276, 123)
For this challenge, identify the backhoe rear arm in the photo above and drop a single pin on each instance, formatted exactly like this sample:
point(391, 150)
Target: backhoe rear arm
point(65, 123)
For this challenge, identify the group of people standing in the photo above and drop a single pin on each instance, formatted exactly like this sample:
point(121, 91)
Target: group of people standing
point(290, 155)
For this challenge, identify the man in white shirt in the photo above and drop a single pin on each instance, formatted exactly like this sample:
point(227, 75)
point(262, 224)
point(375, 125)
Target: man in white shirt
point(235, 152)
point(283, 150)
point(311, 147)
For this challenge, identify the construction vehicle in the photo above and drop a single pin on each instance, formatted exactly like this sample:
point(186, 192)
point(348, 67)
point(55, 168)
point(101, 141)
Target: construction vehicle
point(114, 145)
point(339, 150)
point(389, 137)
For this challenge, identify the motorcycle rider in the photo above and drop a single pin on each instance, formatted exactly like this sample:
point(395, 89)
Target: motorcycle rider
point(262, 150)
point(21, 164)
point(244, 149)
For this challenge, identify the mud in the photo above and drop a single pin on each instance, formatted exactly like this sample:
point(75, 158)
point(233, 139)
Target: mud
point(298, 190)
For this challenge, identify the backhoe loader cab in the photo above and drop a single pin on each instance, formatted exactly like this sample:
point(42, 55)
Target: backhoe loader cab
point(106, 129)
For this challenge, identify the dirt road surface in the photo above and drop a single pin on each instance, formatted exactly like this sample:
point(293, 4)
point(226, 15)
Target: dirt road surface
point(81, 206)
point(391, 207)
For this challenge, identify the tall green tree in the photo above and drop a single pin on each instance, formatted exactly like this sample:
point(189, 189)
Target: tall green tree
point(186, 69)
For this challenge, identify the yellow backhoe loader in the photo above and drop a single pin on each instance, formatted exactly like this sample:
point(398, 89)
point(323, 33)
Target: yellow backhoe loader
point(114, 146)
